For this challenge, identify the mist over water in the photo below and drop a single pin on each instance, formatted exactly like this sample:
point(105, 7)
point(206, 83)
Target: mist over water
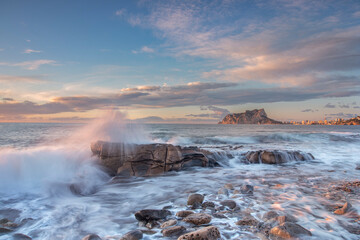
point(48, 175)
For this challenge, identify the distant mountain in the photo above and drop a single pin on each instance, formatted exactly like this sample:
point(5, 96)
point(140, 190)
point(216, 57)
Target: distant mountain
point(249, 117)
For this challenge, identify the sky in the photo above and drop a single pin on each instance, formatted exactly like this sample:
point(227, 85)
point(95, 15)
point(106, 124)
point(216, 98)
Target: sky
point(178, 61)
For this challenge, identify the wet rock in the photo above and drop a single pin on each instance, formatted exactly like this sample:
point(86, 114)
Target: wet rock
point(229, 186)
point(173, 231)
point(247, 189)
point(195, 198)
point(219, 215)
point(228, 203)
point(289, 230)
point(270, 215)
point(285, 218)
point(152, 224)
point(345, 208)
point(5, 230)
point(169, 223)
point(276, 157)
point(20, 236)
point(208, 233)
point(151, 214)
point(208, 205)
point(198, 218)
point(132, 235)
point(91, 237)
point(247, 221)
point(184, 213)
point(147, 159)
point(223, 191)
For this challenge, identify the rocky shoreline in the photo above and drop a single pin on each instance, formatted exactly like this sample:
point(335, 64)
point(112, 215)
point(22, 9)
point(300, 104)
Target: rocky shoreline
point(203, 218)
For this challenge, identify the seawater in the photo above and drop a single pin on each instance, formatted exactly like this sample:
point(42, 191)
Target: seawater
point(39, 162)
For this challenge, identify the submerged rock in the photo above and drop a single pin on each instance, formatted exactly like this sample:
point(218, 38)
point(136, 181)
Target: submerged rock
point(276, 157)
point(289, 230)
point(147, 159)
point(208, 233)
point(151, 214)
point(20, 236)
point(91, 237)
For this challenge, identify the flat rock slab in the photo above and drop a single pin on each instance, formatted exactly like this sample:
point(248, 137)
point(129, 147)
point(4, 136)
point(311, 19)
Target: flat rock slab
point(208, 233)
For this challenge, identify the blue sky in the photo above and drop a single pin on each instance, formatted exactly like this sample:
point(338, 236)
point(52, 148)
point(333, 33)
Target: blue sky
point(179, 61)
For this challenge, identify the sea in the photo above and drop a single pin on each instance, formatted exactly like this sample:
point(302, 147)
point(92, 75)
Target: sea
point(40, 161)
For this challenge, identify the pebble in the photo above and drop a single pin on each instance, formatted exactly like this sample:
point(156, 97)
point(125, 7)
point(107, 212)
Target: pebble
point(198, 218)
point(169, 223)
point(228, 203)
point(208, 233)
point(91, 237)
point(343, 209)
point(289, 230)
point(132, 235)
point(173, 231)
point(195, 198)
point(184, 213)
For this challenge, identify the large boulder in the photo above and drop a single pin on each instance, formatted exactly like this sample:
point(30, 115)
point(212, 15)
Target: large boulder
point(276, 156)
point(147, 159)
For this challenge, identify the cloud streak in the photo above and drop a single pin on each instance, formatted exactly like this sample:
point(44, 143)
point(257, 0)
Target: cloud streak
point(30, 65)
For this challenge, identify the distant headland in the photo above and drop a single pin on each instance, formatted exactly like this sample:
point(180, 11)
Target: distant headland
point(259, 116)
point(256, 116)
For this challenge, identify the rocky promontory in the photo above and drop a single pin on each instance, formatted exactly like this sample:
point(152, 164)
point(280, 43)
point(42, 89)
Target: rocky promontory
point(256, 116)
point(157, 158)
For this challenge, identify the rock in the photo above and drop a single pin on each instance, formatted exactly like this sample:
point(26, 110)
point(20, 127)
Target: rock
point(247, 189)
point(223, 191)
point(228, 203)
point(219, 215)
point(247, 221)
point(4, 220)
point(208, 205)
point(184, 213)
point(147, 159)
point(91, 237)
point(198, 218)
point(173, 231)
point(152, 224)
point(151, 214)
point(169, 223)
point(286, 218)
point(289, 230)
point(20, 236)
point(343, 209)
point(132, 235)
point(229, 186)
point(249, 117)
point(195, 198)
point(276, 157)
point(270, 215)
point(5, 230)
point(207, 233)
